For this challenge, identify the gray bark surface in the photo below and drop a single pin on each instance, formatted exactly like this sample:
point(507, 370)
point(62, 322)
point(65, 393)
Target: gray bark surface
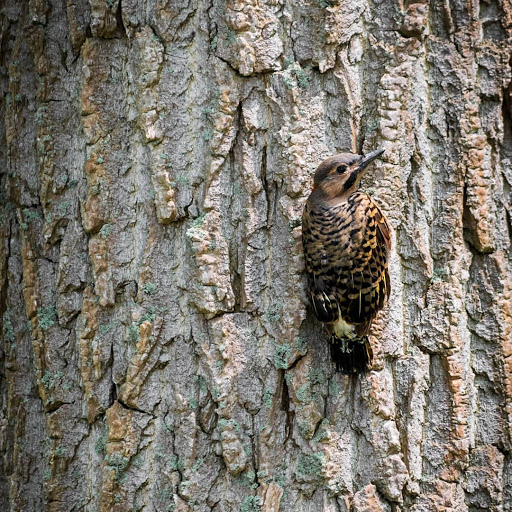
point(158, 352)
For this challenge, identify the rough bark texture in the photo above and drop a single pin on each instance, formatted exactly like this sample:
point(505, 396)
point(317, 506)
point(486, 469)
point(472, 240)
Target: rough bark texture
point(158, 352)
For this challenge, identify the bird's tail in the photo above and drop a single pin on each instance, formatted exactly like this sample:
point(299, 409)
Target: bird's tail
point(351, 355)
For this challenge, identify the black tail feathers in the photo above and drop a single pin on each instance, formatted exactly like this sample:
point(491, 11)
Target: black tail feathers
point(351, 356)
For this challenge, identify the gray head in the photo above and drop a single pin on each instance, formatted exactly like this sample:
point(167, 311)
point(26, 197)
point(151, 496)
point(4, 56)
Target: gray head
point(339, 175)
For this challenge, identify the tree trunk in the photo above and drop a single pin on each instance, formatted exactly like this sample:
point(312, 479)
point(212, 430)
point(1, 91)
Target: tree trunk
point(158, 350)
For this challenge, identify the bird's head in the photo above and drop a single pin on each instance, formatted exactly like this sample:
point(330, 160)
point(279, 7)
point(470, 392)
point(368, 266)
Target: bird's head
point(339, 175)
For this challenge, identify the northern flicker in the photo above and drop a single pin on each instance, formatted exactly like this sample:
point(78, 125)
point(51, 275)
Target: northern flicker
point(346, 241)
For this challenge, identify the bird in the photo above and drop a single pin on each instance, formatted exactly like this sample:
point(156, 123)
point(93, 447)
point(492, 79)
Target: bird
point(347, 241)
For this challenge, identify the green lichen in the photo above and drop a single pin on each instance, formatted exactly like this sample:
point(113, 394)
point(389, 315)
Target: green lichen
point(439, 274)
point(317, 377)
point(281, 356)
point(197, 464)
point(164, 494)
point(373, 124)
point(182, 180)
point(268, 398)
point(106, 328)
point(60, 451)
point(212, 107)
point(149, 316)
point(63, 207)
point(106, 230)
point(249, 480)
point(301, 345)
point(309, 391)
point(224, 424)
point(9, 335)
point(150, 288)
point(159, 453)
point(118, 464)
point(49, 379)
point(30, 215)
point(273, 313)
point(251, 504)
point(175, 464)
point(47, 442)
point(311, 465)
point(137, 460)
point(335, 388)
point(303, 393)
point(183, 487)
point(231, 36)
point(321, 433)
point(201, 382)
point(101, 444)
point(294, 74)
point(39, 117)
point(133, 332)
point(304, 429)
point(262, 474)
point(199, 220)
point(279, 479)
point(46, 317)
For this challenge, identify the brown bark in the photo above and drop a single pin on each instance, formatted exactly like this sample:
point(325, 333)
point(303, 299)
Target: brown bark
point(157, 348)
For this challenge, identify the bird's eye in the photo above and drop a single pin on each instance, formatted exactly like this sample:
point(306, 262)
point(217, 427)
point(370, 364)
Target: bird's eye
point(341, 169)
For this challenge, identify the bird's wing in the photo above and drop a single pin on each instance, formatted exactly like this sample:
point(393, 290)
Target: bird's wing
point(346, 263)
point(383, 228)
point(320, 278)
point(384, 246)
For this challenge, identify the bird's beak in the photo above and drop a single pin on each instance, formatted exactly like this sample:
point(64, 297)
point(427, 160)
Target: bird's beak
point(369, 158)
point(358, 171)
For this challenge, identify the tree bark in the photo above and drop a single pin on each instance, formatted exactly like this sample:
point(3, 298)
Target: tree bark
point(158, 352)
